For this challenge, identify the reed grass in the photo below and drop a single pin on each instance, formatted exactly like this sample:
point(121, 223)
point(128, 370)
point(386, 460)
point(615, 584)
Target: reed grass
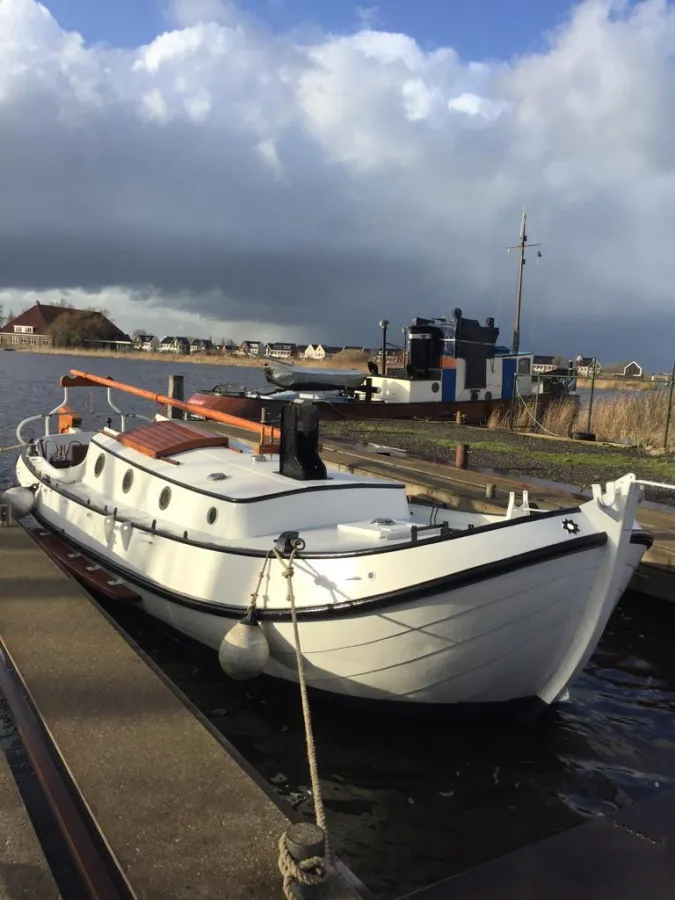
point(638, 418)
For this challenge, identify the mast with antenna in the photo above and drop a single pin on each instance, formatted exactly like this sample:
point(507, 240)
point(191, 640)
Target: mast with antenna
point(522, 245)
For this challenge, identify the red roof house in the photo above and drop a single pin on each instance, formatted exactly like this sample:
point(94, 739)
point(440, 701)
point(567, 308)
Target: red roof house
point(44, 325)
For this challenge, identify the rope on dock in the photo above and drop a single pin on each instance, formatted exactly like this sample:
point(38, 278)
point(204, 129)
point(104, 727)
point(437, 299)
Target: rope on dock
point(310, 871)
point(314, 870)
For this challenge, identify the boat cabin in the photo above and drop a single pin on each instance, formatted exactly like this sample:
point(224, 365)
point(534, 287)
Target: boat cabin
point(451, 360)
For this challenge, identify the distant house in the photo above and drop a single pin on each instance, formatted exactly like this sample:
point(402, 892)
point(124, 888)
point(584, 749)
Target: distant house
point(148, 343)
point(630, 369)
point(251, 348)
point(201, 345)
point(172, 344)
point(44, 325)
point(543, 364)
point(584, 366)
point(324, 351)
point(277, 350)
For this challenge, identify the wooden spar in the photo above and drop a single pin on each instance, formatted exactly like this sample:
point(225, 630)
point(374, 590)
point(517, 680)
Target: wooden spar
point(269, 435)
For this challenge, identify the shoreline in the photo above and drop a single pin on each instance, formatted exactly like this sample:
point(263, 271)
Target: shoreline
point(203, 359)
point(251, 362)
point(621, 384)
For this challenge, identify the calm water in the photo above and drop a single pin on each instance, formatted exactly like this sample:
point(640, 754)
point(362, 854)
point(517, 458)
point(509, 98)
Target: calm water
point(411, 802)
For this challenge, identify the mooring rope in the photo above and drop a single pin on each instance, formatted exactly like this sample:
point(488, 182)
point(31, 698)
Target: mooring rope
point(315, 869)
point(254, 596)
point(12, 447)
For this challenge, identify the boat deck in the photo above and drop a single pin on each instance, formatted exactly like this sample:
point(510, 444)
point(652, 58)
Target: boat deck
point(247, 477)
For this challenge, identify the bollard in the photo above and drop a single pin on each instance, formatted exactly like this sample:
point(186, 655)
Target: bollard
point(176, 391)
point(459, 418)
point(303, 841)
point(490, 491)
point(461, 456)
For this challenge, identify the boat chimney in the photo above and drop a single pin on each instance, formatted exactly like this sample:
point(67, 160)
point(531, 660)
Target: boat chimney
point(299, 445)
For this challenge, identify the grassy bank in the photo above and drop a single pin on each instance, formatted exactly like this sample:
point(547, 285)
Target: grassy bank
point(638, 418)
point(346, 361)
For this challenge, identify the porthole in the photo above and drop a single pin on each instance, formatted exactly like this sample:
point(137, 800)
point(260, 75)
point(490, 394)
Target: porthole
point(212, 515)
point(165, 498)
point(128, 480)
point(100, 462)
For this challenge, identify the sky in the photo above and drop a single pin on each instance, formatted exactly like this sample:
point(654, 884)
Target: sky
point(295, 169)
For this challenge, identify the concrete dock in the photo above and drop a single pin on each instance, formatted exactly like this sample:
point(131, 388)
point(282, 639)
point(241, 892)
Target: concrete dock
point(179, 811)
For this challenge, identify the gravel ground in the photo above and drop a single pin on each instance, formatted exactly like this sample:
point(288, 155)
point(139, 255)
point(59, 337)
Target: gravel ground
point(573, 463)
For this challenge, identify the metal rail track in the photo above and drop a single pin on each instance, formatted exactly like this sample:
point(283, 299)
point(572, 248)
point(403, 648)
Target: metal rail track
point(80, 837)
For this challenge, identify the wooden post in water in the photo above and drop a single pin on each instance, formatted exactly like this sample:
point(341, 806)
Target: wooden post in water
point(670, 404)
point(176, 391)
point(590, 401)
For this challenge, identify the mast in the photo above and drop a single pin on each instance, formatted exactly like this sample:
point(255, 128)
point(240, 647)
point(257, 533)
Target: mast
point(521, 246)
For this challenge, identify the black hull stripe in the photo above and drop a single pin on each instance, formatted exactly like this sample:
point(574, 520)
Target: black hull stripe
point(261, 497)
point(260, 554)
point(364, 606)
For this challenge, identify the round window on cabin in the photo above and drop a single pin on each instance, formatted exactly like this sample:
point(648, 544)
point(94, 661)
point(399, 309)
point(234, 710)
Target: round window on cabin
point(100, 462)
point(128, 480)
point(212, 515)
point(165, 498)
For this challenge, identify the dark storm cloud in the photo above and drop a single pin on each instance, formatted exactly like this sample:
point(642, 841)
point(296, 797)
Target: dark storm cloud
point(245, 178)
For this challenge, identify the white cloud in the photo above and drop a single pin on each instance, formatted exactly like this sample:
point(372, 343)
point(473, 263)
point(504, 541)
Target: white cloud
point(319, 184)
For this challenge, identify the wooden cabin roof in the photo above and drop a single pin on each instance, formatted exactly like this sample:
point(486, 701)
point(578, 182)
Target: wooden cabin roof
point(159, 440)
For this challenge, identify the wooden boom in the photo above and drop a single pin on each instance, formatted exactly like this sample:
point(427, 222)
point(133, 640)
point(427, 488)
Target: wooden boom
point(269, 436)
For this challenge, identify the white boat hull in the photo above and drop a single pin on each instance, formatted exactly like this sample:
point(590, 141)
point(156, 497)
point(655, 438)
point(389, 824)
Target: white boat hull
point(480, 616)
